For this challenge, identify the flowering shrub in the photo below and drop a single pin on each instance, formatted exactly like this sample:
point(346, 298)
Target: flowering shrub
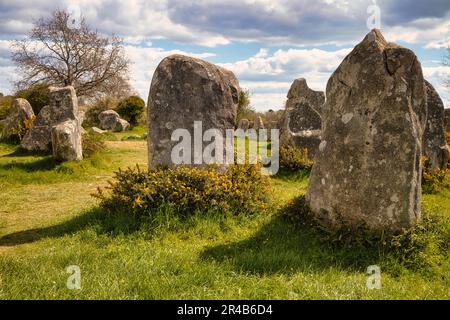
point(434, 179)
point(294, 159)
point(239, 189)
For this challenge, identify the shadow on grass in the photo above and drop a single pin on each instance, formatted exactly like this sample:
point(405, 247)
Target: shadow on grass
point(96, 218)
point(282, 247)
point(44, 164)
point(20, 152)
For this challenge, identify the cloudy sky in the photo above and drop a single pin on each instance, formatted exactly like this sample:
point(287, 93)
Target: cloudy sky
point(267, 43)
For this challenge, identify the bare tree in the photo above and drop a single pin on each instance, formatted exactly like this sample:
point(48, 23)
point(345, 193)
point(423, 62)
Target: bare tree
point(59, 52)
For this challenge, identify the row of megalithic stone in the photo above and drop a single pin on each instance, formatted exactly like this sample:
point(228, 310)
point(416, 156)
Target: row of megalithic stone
point(367, 136)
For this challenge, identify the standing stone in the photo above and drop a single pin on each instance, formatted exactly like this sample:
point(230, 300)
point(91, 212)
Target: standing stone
point(184, 90)
point(244, 124)
point(259, 123)
point(447, 120)
point(368, 168)
point(110, 120)
point(301, 122)
point(39, 137)
point(66, 127)
point(16, 123)
point(435, 146)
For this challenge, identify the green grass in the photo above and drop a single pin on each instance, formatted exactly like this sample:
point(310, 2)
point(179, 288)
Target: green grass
point(49, 221)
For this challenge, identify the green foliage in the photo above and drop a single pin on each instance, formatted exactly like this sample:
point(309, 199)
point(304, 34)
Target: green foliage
point(131, 109)
point(92, 144)
point(244, 109)
point(36, 95)
point(103, 104)
point(423, 247)
point(186, 190)
point(294, 159)
point(434, 180)
point(5, 106)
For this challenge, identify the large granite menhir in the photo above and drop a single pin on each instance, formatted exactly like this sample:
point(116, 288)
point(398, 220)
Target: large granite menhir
point(184, 90)
point(301, 122)
point(368, 168)
point(434, 144)
point(66, 129)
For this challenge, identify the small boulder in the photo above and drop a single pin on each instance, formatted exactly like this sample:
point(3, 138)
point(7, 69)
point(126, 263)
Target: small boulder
point(98, 130)
point(110, 120)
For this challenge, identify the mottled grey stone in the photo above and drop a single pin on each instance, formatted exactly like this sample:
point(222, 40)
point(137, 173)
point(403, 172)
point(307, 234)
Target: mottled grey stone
point(66, 127)
point(244, 124)
point(184, 90)
point(301, 122)
point(368, 167)
point(447, 120)
point(39, 137)
point(110, 120)
point(435, 146)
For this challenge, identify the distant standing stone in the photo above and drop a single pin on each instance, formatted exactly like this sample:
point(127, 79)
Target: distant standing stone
point(259, 124)
point(447, 120)
point(368, 168)
point(301, 122)
point(184, 90)
point(435, 146)
point(66, 127)
point(244, 124)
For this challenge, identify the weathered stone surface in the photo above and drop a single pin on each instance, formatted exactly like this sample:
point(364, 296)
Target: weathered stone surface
point(98, 130)
point(184, 90)
point(447, 120)
point(244, 124)
point(368, 168)
point(434, 144)
point(66, 141)
point(39, 137)
point(21, 112)
point(110, 120)
point(301, 122)
point(66, 127)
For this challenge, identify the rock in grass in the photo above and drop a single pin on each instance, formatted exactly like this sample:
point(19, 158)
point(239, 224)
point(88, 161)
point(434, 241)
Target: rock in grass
point(184, 90)
point(368, 167)
point(98, 130)
point(16, 123)
point(66, 127)
point(301, 123)
point(435, 146)
point(110, 120)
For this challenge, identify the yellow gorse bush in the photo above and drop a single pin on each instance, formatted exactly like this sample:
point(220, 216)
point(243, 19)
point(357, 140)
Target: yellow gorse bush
point(236, 189)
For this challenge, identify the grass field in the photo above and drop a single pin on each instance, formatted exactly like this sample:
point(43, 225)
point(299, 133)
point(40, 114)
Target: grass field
point(49, 221)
